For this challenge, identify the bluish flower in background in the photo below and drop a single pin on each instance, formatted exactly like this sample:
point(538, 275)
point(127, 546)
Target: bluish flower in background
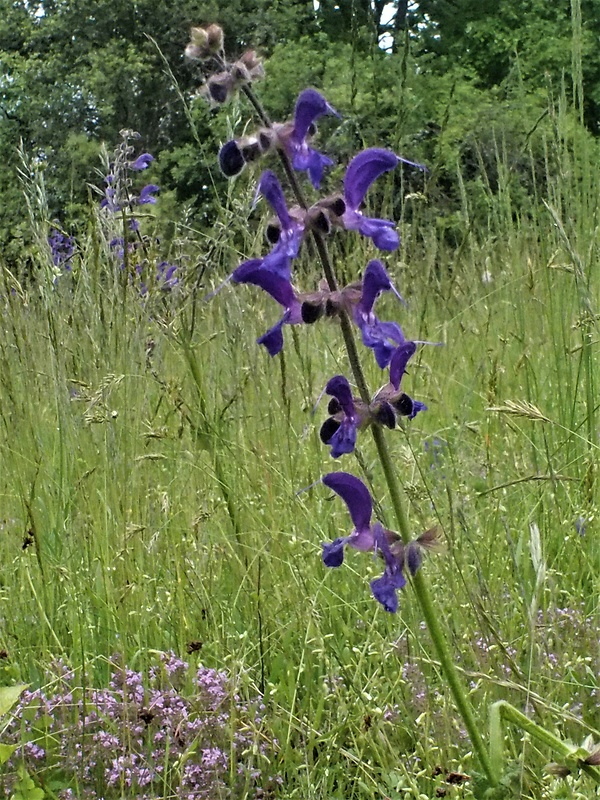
point(143, 161)
point(62, 248)
point(166, 276)
point(110, 200)
point(292, 137)
point(435, 448)
point(147, 195)
point(381, 337)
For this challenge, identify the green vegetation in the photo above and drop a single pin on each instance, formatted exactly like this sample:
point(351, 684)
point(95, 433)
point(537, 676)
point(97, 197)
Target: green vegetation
point(151, 454)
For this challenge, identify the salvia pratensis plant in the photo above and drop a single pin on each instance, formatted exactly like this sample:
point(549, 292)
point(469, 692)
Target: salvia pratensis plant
point(351, 411)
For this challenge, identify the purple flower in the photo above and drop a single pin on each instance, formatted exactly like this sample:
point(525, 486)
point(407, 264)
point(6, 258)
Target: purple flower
point(310, 105)
point(404, 405)
point(142, 162)
point(146, 195)
point(362, 171)
point(281, 291)
point(381, 337)
point(339, 431)
point(286, 237)
point(166, 276)
point(366, 537)
point(62, 248)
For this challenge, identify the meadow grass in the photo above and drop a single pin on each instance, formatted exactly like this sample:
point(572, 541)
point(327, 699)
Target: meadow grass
point(151, 456)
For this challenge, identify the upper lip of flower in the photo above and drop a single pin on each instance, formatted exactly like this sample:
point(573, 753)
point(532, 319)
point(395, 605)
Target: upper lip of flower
point(365, 168)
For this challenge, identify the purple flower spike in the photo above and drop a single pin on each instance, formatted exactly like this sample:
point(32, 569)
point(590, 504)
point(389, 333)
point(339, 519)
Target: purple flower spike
point(362, 171)
point(309, 107)
point(142, 162)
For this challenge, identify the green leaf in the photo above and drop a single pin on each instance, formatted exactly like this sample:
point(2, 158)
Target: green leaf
point(6, 751)
point(9, 696)
point(25, 788)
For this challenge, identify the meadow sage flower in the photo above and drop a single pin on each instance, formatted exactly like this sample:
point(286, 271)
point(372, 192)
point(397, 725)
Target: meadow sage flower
point(391, 394)
point(381, 337)
point(292, 136)
point(366, 537)
point(344, 210)
point(339, 431)
point(142, 162)
point(147, 195)
point(281, 290)
point(285, 237)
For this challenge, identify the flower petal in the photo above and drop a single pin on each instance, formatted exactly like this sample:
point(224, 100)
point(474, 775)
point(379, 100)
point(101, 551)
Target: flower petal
point(273, 338)
point(355, 494)
point(339, 388)
point(343, 440)
point(384, 589)
point(277, 286)
point(270, 188)
point(310, 105)
point(400, 359)
point(363, 170)
point(333, 552)
point(306, 158)
point(381, 231)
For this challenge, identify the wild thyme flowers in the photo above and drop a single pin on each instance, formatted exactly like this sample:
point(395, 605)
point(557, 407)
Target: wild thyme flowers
point(180, 731)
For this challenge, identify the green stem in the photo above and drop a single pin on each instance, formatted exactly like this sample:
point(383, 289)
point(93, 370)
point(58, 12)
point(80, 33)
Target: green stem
point(504, 710)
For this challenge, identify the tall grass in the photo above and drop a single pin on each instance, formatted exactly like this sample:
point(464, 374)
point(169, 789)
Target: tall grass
point(149, 470)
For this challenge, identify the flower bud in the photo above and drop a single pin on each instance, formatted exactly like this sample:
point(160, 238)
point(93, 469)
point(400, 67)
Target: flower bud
point(250, 148)
point(311, 312)
point(215, 38)
point(231, 159)
point(253, 64)
point(218, 87)
point(199, 38)
point(204, 42)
